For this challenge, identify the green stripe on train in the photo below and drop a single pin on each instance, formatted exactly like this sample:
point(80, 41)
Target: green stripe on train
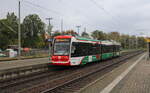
point(107, 55)
point(94, 58)
point(85, 60)
point(103, 56)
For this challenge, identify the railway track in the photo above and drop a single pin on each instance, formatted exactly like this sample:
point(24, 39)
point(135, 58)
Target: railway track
point(7, 85)
point(56, 79)
point(73, 85)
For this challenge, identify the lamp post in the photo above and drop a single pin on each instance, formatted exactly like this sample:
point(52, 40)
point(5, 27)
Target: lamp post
point(49, 45)
point(61, 27)
point(19, 32)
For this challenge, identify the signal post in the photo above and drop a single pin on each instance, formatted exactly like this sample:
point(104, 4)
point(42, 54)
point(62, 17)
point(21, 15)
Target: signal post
point(148, 46)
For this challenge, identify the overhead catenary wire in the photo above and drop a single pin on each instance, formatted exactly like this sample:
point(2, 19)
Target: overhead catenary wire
point(44, 8)
point(102, 8)
point(87, 22)
point(55, 12)
point(10, 28)
point(36, 5)
point(28, 6)
point(48, 11)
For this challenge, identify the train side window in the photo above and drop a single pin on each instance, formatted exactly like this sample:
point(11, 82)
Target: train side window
point(103, 48)
point(78, 49)
point(73, 48)
point(84, 49)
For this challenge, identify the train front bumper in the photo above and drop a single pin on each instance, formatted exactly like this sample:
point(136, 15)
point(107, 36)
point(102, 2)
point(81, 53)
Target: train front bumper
point(60, 63)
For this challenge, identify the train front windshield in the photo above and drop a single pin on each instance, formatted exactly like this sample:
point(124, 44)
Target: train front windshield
point(61, 47)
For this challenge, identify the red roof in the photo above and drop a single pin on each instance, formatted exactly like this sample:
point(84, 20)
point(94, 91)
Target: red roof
point(58, 37)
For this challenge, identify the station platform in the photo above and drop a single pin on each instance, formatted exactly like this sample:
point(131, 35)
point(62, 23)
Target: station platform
point(137, 80)
point(21, 63)
point(131, 77)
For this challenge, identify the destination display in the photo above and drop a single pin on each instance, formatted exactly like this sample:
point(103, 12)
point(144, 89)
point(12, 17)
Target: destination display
point(62, 40)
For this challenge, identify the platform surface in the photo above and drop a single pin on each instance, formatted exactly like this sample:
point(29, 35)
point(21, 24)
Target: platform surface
point(137, 80)
point(130, 77)
point(21, 63)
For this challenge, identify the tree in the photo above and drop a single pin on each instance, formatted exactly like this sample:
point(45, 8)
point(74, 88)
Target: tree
point(8, 30)
point(32, 31)
point(85, 34)
point(98, 35)
point(114, 36)
point(56, 33)
point(70, 32)
point(13, 26)
point(141, 42)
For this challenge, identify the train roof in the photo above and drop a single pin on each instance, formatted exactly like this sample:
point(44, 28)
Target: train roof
point(87, 39)
point(105, 42)
point(78, 38)
point(110, 42)
point(63, 36)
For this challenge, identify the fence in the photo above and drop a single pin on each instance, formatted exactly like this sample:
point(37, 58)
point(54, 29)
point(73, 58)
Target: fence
point(35, 52)
point(4, 54)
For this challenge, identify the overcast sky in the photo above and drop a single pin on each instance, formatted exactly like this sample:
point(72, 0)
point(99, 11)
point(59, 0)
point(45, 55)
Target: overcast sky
point(124, 16)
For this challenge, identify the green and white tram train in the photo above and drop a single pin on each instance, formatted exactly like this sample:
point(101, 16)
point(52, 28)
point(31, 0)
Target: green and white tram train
point(71, 51)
